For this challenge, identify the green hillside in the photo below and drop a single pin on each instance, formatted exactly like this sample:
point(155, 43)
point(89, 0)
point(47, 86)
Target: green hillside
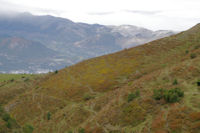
point(153, 88)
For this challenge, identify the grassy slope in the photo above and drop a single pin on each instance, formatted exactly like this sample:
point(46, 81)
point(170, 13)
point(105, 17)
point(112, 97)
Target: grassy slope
point(13, 86)
point(106, 81)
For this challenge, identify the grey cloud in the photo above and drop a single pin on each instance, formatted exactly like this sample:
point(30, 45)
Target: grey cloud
point(10, 8)
point(143, 12)
point(49, 11)
point(101, 13)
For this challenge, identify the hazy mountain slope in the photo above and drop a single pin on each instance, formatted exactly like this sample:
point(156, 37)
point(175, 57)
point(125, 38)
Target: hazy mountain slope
point(72, 41)
point(134, 36)
point(94, 95)
point(18, 54)
point(22, 48)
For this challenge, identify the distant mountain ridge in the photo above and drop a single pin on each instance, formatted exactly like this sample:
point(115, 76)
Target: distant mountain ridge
point(134, 35)
point(70, 42)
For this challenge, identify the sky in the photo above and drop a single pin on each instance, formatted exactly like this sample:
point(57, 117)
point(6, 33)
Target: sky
point(175, 15)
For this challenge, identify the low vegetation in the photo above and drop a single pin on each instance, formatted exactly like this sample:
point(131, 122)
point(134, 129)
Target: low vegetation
point(193, 55)
point(9, 124)
point(132, 96)
point(28, 128)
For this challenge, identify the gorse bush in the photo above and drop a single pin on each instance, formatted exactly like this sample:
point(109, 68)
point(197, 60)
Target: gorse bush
point(56, 71)
point(26, 80)
point(87, 97)
point(132, 96)
point(28, 128)
point(158, 94)
point(1, 110)
point(11, 123)
point(48, 116)
point(137, 93)
point(197, 46)
point(81, 130)
point(193, 55)
point(198, 83)
point(12, 80)
point(6, 117)
point(170, 96)
point(175, 82)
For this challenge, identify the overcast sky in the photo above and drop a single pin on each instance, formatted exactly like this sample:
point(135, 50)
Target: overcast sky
point(152, 14)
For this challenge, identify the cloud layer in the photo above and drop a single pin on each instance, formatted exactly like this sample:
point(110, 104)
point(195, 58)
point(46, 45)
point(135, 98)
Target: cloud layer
point(153, 14)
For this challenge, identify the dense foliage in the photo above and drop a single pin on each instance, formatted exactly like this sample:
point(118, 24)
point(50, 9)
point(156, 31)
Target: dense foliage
point(170, 96)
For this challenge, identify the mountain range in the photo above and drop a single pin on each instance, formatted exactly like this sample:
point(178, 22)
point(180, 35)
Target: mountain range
point(60, 42)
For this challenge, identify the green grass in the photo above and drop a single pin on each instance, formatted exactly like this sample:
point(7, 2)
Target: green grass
point(9, 77)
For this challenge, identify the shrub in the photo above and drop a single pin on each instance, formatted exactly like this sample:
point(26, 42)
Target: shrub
point(1, 110)
point(186, 51)
point(12, 80)
point(28, 128)
point(11, 123)
point(158, 94)
point(196, 47)
point(132, 96)
point(56, 71)
point(179, 92)
point(193, 55)
point(81, 130)
point(6, 117)
point(48, 116)
point(87, 97)
point(170, 96)
point(198, 83)
point(137, 93)
point(26, 80)
point(130, 83)
point(175, 82)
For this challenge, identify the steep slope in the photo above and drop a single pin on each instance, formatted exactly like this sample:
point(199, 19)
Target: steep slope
point(116, 92)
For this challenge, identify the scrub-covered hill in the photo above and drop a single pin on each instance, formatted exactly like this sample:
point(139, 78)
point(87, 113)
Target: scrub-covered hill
point(150, 88)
